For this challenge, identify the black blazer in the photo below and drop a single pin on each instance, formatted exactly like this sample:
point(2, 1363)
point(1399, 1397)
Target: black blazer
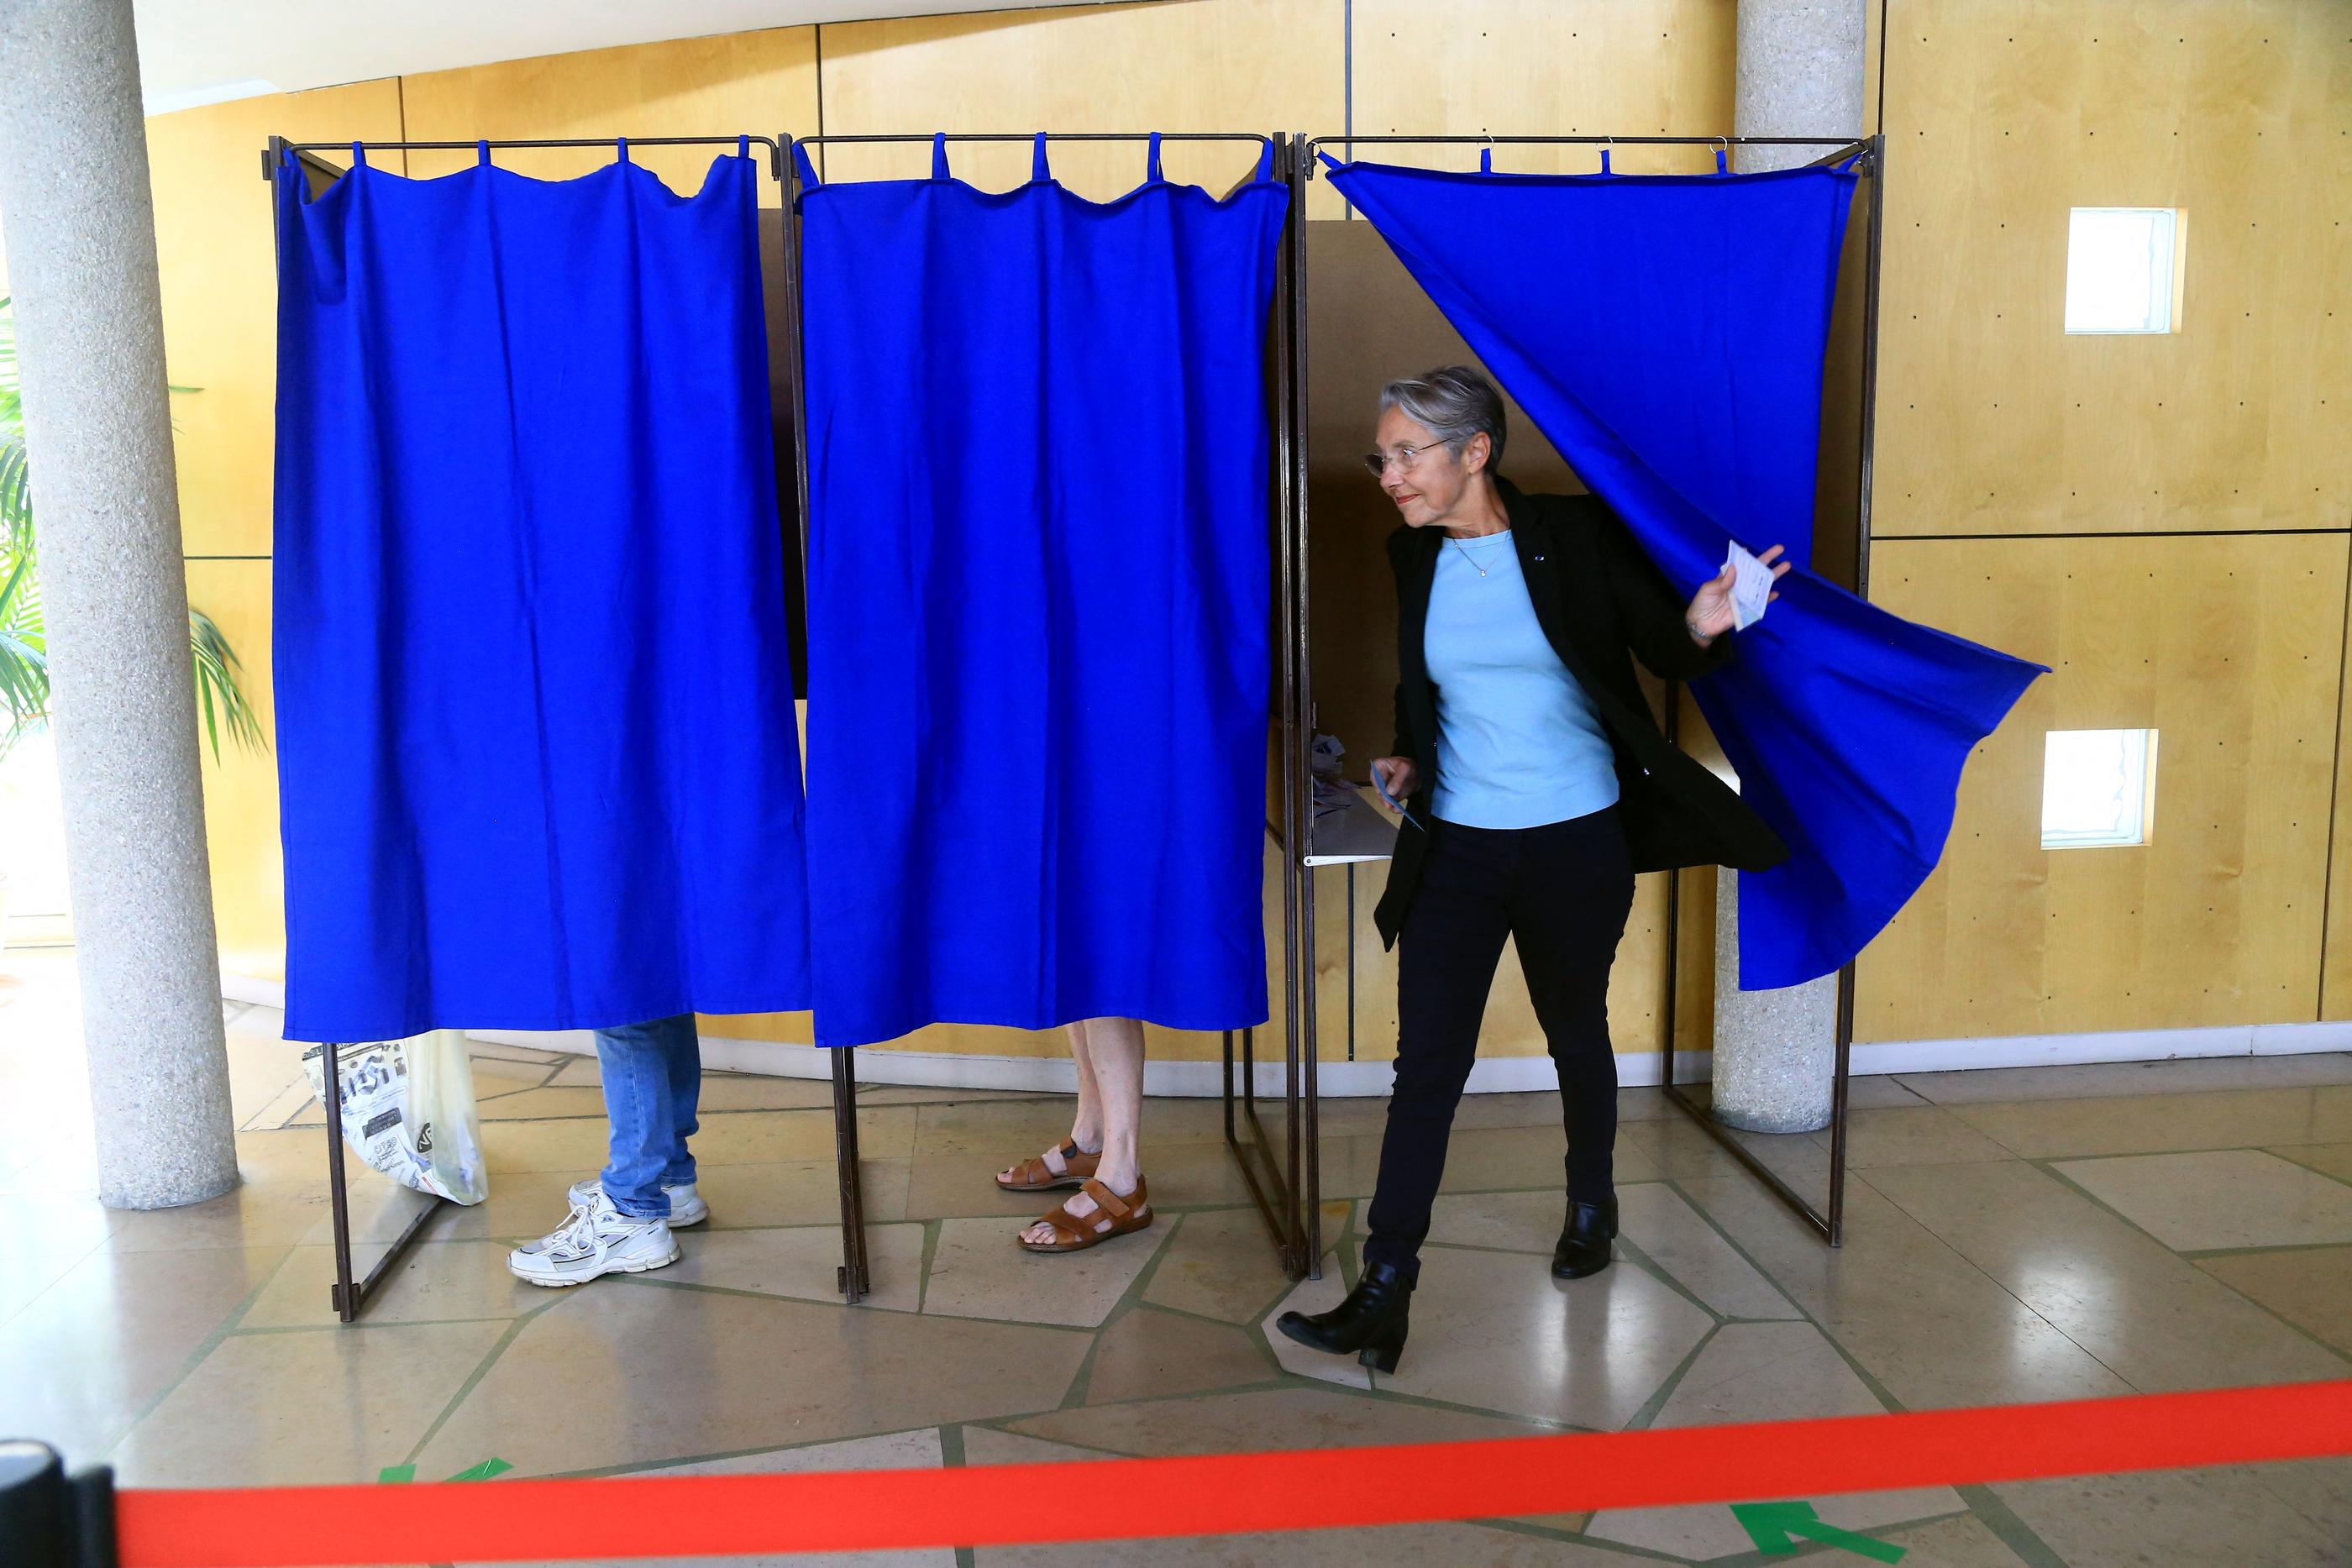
point(1601, 602)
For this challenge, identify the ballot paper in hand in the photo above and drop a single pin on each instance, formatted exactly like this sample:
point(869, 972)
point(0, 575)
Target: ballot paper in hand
point(1751, 585)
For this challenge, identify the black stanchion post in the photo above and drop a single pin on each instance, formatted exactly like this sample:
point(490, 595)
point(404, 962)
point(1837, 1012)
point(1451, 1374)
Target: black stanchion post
point(48, 1519)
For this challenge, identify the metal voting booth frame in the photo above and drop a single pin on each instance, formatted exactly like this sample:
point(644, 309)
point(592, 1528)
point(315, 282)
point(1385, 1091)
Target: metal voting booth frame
point(349, 1295)
point(1285, 1186)
point(1297, 1225)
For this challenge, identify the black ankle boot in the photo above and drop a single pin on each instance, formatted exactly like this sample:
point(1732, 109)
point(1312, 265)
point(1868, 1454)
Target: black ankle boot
point(1372, 1322)
point(1584, 1240)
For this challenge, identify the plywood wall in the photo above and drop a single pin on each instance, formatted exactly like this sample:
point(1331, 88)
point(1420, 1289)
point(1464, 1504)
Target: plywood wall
point(2229, 648)
point(2001, 115)
point(2160, 518)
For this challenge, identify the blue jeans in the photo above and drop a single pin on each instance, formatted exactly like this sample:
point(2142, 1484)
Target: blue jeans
point(652, 1080)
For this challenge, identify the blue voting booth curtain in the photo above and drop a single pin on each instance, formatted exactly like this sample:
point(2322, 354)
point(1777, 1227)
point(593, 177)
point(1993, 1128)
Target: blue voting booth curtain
point(535, 726)
point(1039, 516)
point(1667, 333)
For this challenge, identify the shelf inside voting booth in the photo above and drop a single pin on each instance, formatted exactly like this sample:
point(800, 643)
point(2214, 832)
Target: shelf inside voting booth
point(1371, 321)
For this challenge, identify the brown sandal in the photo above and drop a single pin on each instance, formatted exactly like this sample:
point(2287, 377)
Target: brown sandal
point(1036, 1175)
point(1113, 1215)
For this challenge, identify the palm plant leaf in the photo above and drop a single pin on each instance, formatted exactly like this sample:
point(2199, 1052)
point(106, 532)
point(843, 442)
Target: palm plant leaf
point(219, 698)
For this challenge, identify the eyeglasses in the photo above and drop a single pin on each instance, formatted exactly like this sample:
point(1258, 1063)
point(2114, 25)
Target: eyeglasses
point(1376, 464)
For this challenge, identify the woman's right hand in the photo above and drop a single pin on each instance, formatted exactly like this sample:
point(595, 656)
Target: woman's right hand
point(1398, 776)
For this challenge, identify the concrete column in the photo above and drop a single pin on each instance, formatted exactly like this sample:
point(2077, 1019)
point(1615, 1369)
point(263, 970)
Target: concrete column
point(1799, 73)
point(81, 255)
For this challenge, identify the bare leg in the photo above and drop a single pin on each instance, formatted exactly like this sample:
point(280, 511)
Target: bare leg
point(1087, 1128)
point(1114, 1055)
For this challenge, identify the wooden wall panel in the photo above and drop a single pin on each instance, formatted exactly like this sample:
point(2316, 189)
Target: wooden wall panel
point(1545, 67)
point(1219, 65)
point(762, 83)
point(2001, 115)
point(218, 263)
point(241, 786)
point(2229, 647)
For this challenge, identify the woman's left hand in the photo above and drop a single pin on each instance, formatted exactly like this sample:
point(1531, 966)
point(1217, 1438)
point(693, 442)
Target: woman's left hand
point(1710, 614)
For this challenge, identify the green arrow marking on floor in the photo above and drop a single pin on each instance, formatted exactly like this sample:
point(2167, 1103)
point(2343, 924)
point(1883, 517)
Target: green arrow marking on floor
point(1771, 1525)
point(483, 1471)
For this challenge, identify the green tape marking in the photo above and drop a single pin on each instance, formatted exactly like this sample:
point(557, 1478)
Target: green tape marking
point(1771, 1526)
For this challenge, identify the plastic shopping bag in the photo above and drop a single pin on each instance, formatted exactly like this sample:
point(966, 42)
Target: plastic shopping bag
point(408, 1109)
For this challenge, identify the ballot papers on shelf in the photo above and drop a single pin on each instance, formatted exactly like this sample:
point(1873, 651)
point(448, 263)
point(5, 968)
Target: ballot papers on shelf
point(1348, 828)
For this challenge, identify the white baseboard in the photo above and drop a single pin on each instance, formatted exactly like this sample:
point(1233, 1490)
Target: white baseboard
point(1491, 1075)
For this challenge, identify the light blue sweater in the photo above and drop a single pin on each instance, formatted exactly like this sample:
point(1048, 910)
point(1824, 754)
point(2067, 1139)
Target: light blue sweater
point(1518, 742)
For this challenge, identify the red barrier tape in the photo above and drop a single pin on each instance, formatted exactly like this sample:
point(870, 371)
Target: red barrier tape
point(1220, 1494)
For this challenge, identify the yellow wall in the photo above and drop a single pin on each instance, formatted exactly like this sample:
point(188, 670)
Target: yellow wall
point(2194, 489)
point(1993, 424)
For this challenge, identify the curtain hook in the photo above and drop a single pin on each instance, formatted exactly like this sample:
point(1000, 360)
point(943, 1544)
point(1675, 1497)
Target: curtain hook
point(1606, 143)
point(1486, 154)
point(1723, 156)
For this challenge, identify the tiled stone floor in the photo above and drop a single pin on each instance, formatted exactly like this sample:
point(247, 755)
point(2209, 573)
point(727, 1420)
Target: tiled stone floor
point(2012, 1236)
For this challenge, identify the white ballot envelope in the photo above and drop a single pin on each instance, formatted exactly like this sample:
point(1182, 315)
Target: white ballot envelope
point(1751, 585)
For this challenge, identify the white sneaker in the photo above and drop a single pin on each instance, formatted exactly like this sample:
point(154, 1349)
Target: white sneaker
point(595, 1240)
point(686, 1209)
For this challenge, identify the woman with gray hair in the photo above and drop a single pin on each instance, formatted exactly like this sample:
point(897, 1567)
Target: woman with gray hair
point(1535, 783)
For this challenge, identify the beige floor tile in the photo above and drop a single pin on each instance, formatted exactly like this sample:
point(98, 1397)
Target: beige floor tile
point(541, 1104)
point(2219, 1517)
point(377, 1210)
point(1965, 1542)
point(1911, 1135)
point(802, 1262)
point(2192, 1076)
point(987, 1446)
point(1916, 1314)
point(1879, 1090)
point(1681, 1149)
point(1406, 1545)
point(434, 1281)
point(1497, 1332)
point(2231, 1197)
point(579, 1071)
point(1678, 1239)
point(978, 1271)
point(2149, 1315)
point(727, 1137)
point(625, 1373)
point(261, 1067)
point(2310, 1287)
point(1311, 1296)
point(281, 1110)
point(2333, 1159)
point(754, 1092)
point(1269, 1420)
point(999, 1131)
point(1652, 1217)
point(2319, 1489)
point(527, 1203)
point(80, 1361)
point(918, 1450)
point(1222, 1264)
point(25, 1275)
point(802, 1192)
point(1183, 1175)
point(1148, 1353)
point(1764, 1372)
point(255, 1215)
point(286, 1409)
point(2162, 1123)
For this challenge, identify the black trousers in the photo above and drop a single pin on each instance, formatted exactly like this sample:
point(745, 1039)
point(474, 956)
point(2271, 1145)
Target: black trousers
point(1561, 893)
